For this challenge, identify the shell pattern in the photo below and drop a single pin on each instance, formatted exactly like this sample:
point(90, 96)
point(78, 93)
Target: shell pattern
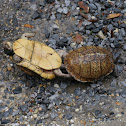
point(89, 63)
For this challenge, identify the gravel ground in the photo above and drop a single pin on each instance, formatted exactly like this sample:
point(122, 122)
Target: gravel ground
point(63, 24)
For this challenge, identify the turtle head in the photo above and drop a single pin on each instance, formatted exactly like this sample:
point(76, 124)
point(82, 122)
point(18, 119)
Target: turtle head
point(8, 48)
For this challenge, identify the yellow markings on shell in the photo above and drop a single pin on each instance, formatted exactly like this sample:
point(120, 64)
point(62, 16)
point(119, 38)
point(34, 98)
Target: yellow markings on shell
point(37, 53)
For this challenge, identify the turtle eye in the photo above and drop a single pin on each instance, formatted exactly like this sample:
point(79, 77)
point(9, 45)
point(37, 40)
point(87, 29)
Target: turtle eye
point(50, 53)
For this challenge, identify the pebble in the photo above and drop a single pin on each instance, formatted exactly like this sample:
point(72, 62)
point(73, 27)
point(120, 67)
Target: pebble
point(101, 35)
point(43, 108)
point(68, 116)
point(124, 47)
point(77, 91)
point(16, 112)
point(23, 108)
point(77, 110)
point(110, 27)
point(65, 10)
point(5, 121)
point(17, 90)
point(92, 6)
point(56, 86)
point(33, 7)
point(35, 115)
point(60, 10)
point(67, 2)
point(52, 17)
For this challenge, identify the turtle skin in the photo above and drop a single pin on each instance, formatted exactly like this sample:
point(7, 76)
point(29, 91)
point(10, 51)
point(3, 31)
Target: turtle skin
point(89, 63)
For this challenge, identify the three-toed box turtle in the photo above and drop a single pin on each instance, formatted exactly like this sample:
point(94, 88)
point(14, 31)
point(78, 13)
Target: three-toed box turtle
point(34, 56)
point(88, 63)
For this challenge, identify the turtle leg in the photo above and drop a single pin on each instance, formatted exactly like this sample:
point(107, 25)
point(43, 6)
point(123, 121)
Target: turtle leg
point(59, 73)
point(16, 58)
point(27, 35)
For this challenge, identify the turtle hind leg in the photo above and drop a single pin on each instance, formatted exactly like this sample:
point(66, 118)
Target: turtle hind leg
point(27, 35)
point(59, 73)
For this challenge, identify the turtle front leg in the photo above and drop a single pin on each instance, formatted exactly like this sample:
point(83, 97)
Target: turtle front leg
point(27, 35)
point(59, 73)
point(16, 58)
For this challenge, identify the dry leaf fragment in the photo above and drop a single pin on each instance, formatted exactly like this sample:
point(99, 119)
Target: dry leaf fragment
point(118, 103)
point(78, 38)
point(83, 6)
point(114, 15)
point(28, 26)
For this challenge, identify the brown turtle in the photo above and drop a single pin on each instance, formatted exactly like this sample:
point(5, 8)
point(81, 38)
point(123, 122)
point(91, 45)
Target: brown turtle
point(34, 56)
point(87, 63)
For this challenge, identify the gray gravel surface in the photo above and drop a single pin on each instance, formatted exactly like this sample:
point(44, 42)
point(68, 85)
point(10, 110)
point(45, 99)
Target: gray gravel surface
point(31, 100)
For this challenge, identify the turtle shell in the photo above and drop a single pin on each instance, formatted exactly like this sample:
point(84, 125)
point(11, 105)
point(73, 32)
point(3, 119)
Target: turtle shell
point(37, 57)
point(89, 63)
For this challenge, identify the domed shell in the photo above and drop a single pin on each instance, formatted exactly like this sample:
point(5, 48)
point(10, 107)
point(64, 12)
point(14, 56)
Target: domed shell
point(37, 57)
point(89, 63)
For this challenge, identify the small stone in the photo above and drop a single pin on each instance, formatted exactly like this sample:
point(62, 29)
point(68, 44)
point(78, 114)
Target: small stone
point(35, 115)
point(97, 112)
point(118, 115)
point(17, 90)
point(114, 83)
point(63, 85)
point(60, 10)
point(52, 17)
point(124, 47)
point(33, 7)
point(67, 2)
point(77, 110)
point(53, 115)
point(23, 108)
point(5, 121)
point(92, 6)
point(16, 112)
point(47, 33)
point(56, 86)
point(122, 32)
point(65, 10)
point(42, 108)
point(68, 116)
point(49, 1)
point(123, 93)
point(58, 15)
point(15, 124)
point(101, 35)
point(52, 41)
point(71, 121)
point(95, 30)
point(110, 27)
point(77, 91)
point(35, 15)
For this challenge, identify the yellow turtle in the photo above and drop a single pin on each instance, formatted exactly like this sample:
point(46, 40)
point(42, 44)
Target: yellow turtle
point(34, 56)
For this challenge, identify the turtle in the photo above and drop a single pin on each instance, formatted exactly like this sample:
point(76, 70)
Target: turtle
point(34, 56)
point(87, 63)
